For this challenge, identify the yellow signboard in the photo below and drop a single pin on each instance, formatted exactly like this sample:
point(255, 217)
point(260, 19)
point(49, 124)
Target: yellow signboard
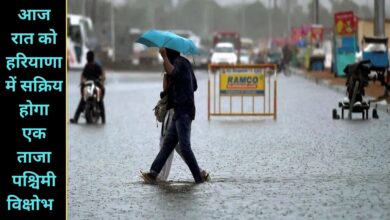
point(242, 82)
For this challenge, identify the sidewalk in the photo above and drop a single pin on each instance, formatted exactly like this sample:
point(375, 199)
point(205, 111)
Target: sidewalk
point(328, 79)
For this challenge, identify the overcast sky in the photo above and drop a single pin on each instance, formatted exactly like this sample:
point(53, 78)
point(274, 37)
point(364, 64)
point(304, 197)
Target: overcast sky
point(326, 3)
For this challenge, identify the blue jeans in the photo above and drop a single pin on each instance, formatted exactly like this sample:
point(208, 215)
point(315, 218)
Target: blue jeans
point(178, 132)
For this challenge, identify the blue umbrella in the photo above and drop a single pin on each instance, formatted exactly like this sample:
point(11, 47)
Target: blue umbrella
point(157, 38)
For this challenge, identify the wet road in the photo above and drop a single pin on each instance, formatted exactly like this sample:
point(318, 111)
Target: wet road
point(304, 165)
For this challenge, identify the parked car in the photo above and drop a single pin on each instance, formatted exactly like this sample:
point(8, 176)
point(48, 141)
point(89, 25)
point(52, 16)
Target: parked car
point(259, 58)
point(275, 57)
point(201, 60)
point(245, 57)
point(150, 56)
point(224, 53)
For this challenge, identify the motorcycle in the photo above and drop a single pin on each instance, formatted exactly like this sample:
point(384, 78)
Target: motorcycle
point(92, 95)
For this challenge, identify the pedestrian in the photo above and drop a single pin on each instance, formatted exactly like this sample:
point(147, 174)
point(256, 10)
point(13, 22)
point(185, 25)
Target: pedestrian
point(163, 176)
point(91, 71)
point(181, 98)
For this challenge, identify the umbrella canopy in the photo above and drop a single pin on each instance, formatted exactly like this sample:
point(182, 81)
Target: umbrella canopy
point(157, 38)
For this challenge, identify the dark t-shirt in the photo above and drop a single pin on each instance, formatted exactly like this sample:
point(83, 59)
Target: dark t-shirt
point(181, 89)
point(92, 71)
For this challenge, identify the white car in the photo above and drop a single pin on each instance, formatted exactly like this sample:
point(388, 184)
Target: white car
point(245, 57)
point(224, 53)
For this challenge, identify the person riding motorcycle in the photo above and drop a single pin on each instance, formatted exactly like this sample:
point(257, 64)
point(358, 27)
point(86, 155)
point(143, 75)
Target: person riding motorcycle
point(91, 71)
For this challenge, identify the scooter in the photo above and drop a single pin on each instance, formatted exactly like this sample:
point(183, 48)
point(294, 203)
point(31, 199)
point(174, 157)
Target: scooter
point(92, 95)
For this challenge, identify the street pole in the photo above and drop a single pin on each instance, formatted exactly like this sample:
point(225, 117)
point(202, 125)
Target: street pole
point(93, 14)
point(379, 22)
point(83, 7)
point(152, 11)
point(269, 22)
point(288, 17)
point(112, 32)
point(316, 12)
point(379, 18)
point(205, 19)
point(243, 22)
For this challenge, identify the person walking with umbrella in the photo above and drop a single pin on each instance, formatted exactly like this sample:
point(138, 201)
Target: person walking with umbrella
point(163, 175)
point(181, 96)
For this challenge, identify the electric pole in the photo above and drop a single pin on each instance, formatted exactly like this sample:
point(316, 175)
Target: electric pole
point(270, 9)
point(113, 31)
point(316, 12)
point(379, 18)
